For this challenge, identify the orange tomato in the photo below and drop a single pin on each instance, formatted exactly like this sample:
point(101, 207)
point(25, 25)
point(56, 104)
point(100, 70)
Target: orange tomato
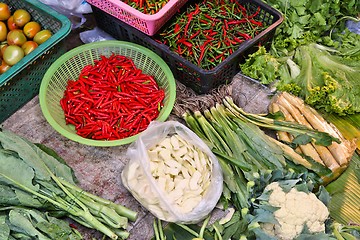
point(16, 37)
point(13, 54)
point(21, 17)
point(31, 28)
point(29, 46)
point(4, 67)
point(42, 36)
point(4, 12)
point(2, 48)
point(11, 24)
point(3, 31)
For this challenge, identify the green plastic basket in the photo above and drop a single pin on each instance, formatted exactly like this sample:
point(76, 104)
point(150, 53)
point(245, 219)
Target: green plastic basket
point(22, 81)
point(69, 66)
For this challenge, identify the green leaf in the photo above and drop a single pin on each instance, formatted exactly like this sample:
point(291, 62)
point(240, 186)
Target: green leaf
point(37, 157)
point(264, 216)
point(4, 227)
point(304, 19)
point(57, 229)
point(297, 3)
point(302, 139)
point(61, 170)
point(21, 222)
point(320, 20)
point(8, 196)
point(25, 151)
point(26, 199)
point(315, 6)
point(14, 172)
point(296, 31)
point(287, 185)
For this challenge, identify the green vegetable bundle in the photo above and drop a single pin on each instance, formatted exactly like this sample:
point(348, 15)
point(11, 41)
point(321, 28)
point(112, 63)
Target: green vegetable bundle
point(34, 176)
point(313, 55)
point(23, 223)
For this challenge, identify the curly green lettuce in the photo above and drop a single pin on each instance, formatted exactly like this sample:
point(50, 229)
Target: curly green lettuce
point(261, 65)
point(326, 81)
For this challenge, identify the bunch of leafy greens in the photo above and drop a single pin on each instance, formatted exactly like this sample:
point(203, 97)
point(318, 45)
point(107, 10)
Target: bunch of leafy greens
point(33, 176)
point(301, 61)
point(309, 21)
point(23, 223)
point(324, 80)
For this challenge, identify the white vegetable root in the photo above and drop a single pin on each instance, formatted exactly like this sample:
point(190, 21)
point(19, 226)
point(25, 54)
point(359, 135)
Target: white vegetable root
point(342, 152)
point(335, 156)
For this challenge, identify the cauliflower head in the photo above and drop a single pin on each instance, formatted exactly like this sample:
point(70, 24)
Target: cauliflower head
point(295, 209)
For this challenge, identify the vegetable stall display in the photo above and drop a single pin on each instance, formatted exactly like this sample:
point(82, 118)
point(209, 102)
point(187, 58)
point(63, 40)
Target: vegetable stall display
point(250, 158)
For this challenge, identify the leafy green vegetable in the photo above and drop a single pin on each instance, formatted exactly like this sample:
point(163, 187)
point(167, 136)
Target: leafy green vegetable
point(34, 224)
point(324, 80)
point(30, 177)
point(261, 65)
point(308, 21)
point(324, 77)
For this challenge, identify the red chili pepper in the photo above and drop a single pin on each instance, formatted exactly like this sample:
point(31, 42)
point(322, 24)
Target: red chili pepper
point(190, 16)
point(256, 22)
point(256, 13)
point(177, 28)
point(245, 35)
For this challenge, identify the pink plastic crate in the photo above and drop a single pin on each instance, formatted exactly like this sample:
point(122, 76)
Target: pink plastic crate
point(148, 24)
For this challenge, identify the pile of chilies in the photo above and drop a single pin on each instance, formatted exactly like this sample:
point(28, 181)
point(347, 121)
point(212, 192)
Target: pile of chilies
point(111, 99)
point(209, 31)
point(146, 6)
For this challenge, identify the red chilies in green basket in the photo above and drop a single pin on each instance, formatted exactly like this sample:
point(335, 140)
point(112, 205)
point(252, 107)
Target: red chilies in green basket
point(111, 99)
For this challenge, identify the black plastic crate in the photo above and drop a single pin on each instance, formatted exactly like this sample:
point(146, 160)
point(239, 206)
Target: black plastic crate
point(200, 80)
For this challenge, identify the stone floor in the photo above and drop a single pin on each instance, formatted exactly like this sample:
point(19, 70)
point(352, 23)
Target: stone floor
point(98, 169)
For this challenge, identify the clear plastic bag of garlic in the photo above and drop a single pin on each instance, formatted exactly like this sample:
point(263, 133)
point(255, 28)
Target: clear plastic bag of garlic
point(173, 173)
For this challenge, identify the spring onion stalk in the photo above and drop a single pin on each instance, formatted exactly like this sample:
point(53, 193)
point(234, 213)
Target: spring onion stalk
point(322, 138)
point(203, 227)
point(161, 233)
point(235, 142)
point(208, 133)
point(243, 165)
point(156, 230)
point(217, 233)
